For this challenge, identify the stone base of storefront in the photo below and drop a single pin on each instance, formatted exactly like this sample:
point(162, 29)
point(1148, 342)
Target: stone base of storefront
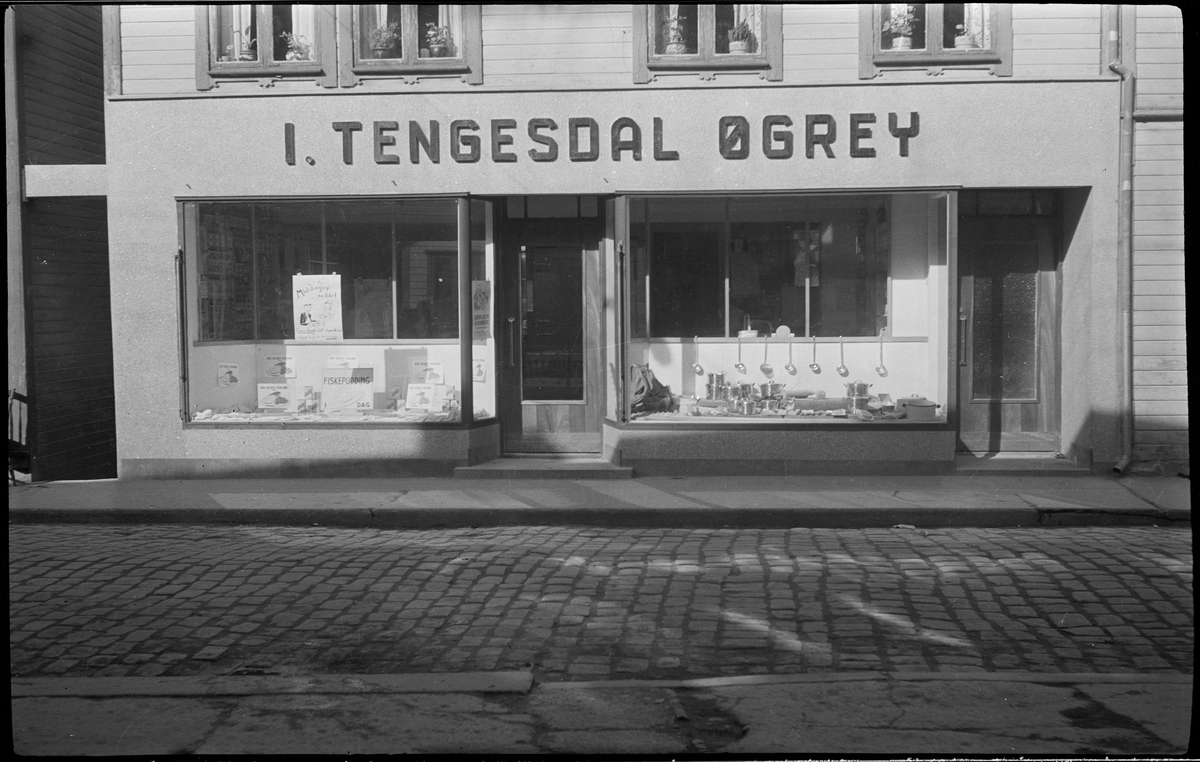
point(691, 451)
point(457, 447)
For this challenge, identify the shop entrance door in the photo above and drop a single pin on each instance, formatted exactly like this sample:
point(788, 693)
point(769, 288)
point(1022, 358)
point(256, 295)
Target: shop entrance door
point(1008, 390)
point(550, 334)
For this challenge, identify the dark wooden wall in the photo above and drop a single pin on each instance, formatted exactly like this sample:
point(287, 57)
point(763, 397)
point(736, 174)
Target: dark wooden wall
point(72, 419)
point(62, 84)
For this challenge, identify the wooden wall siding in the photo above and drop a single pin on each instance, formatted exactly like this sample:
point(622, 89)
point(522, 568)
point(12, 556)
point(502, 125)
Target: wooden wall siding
point(1056, 40)
point(158, 49)
point(71, 365)
point(62, 84)
point(820, 43)
point(526, 45)
point(1159, 41)
point(1160, 391)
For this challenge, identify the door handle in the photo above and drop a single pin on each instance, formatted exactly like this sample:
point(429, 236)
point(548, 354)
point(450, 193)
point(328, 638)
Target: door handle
point(512, 361)
point(962, 339)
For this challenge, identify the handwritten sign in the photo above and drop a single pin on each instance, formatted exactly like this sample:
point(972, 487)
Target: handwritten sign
point(317, 306)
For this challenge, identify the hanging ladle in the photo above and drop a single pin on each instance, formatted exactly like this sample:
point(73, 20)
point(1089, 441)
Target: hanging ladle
point(880, 369)
point(842, 369)
point(766, 368)
point(696, 367)
point(790, 368)
point(813, 365)
point(740, 367)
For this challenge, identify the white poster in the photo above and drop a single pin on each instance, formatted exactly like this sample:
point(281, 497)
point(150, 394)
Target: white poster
point(274, 397)
point(426, 397)
point(481, 309)
point(317, 306)
point(347, 390)
point(479, 371)
point(227, 374)
point(281, 366)
point(428, 371)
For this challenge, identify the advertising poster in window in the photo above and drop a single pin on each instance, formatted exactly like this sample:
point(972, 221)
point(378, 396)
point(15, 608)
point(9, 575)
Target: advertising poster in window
point(347, 390)
point(227, 374)
point(281, 366)
point(427, 397)
point(481, 310)
point(317, 307)
point(274, 396)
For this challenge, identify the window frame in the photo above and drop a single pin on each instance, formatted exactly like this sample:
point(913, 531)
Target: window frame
point(211, 73)
point(767, 61)
point(467, 66)
point(934, 59)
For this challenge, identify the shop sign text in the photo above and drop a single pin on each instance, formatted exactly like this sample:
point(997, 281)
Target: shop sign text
point(736, 139)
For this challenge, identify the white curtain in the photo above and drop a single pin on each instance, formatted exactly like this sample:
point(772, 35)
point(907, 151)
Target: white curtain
point(751, 13)
point(975, 22)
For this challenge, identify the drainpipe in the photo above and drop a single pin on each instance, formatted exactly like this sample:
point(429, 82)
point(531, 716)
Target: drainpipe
point(1125, 240)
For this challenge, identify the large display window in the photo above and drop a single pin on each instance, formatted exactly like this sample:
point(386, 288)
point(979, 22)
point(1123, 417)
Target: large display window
point(789, 307)
point(335, 311)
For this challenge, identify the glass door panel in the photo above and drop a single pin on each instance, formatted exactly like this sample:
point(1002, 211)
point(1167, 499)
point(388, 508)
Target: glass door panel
point(552, 325)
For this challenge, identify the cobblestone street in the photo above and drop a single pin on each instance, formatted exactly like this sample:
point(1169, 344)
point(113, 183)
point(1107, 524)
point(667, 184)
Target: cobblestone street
point(592, 603)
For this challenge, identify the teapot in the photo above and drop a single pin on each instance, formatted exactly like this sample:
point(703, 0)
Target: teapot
point(858, 389)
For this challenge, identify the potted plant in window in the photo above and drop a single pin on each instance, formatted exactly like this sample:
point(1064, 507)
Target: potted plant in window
point(382, 40)
point(741, 39)
point(298, 49)
point(963, 38)
point(899, 24)
point(437, 39)
point(674, 34)
point(244, 49)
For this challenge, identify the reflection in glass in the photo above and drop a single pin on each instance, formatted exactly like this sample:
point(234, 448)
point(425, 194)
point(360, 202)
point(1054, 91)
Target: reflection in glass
point(675, 29)
point(738, 28)
point(294, 29)
point(235, 32)
point(380, 30)
point(552, 348)
point(1004, 322)
point(902, 26)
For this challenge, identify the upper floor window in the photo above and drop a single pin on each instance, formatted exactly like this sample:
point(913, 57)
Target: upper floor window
point(935, 36)
point(413, 39)
point(707, 39)
point(265, 41)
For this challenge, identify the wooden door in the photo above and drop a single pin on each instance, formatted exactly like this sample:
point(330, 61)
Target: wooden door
point(551, 336)
point(1008, 335)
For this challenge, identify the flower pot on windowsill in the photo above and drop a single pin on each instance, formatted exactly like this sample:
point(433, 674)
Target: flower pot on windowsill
point(901, 43)
point(739, 46)
point(437, 50)
point(676, 48)
point(381, 51)
point(965, 41)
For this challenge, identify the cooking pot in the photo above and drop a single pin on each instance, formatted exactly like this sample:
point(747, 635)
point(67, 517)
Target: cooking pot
point(901, 402)
point(858, 389)
point(921, 410)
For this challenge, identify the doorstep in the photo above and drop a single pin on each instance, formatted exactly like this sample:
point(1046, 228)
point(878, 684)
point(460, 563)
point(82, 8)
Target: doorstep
point(1016, 464)
point(547, 466)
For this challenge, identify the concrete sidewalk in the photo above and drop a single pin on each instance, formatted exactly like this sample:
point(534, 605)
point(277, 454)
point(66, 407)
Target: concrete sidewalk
point(828, 501)
point(861, 713)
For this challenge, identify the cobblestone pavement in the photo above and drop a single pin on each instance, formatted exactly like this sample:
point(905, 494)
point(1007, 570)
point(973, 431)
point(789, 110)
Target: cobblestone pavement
point(591, 603)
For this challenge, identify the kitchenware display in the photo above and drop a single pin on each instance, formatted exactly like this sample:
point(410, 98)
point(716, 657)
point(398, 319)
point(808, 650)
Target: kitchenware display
point(842, 369)
point(738, 365)
point(922, 410)
point(696, 365)
point(766, 368)
point(790, 368)
point(880, 369)
point(904, 402)
point(813, 365)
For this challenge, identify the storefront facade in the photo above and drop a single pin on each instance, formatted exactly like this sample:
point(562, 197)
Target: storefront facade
point(376, 280)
